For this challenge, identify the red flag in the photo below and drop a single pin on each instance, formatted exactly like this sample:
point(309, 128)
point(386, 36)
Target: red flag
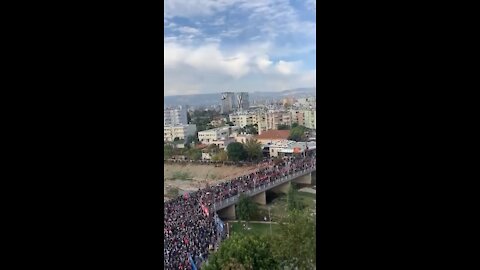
point(205, 210)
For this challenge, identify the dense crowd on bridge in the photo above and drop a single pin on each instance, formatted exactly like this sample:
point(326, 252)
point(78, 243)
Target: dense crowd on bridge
point(190, 230)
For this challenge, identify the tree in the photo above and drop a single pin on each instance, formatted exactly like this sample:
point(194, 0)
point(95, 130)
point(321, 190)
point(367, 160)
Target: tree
point(230, 123)
point(297, 133)
point(236, 152)
point(283, 127)
point(245, 208)
point(293, 201)
point(220, 156)
point(167, 151)
point(251, 129)
point(213, 148)
point(297, 229)
point(294, 125)
point(190, 139)
point(253, 149)
point(194, 154)
point(243, 252)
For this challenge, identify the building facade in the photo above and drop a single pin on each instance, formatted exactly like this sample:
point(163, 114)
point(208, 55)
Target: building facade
point(271, 119)
point(175, 116)
point(243, 102)
point(310, 117)
point(243, 119)
point(180, 131)
point(227, 102)
point(216, 134)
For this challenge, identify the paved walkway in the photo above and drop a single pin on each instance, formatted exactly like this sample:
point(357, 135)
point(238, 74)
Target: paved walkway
point(260, 222)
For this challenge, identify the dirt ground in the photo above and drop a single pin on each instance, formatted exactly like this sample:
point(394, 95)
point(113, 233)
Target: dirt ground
point(198, 175)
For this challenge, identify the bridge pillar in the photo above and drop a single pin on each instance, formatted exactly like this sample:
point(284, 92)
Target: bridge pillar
point(305, 179)
point(260, 198)
point(283, 188)
point(227, 213)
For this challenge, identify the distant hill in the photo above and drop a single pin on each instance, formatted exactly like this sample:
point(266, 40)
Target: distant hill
point(212, 99)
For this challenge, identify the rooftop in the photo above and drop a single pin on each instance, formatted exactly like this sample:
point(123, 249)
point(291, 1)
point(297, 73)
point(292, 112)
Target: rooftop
point(274, 134)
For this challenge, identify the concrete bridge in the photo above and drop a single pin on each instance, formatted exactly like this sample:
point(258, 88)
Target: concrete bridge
point(226, 209)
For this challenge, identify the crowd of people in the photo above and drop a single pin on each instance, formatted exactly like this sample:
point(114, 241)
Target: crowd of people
point(191, 227)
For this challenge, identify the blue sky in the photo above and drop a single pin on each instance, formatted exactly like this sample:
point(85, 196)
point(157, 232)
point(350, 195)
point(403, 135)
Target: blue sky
point(238, 45)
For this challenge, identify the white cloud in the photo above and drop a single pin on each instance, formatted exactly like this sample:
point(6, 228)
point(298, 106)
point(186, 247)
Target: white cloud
point(202, 59)
point(264, 63)
point(287, 68)
point(208, 68)
point(189, 30)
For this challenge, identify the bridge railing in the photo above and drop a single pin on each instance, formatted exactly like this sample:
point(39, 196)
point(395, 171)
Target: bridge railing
point(252, 192)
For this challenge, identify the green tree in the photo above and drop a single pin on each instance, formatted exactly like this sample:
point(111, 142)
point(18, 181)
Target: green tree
point(194, 154)
point(220, 156)
point(253, 148)
point(283, 127)
point(213, 149)
point(297, 133)
point(297, 229)
point(293, 201)
point(167, 151)
point(243, 252)
point(245, 208)
point(294, 125)
point(190, 139)
point(251, 129)
point(236, 152)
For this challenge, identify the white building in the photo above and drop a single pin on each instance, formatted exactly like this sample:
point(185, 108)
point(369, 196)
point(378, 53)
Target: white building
point(175, 116)
point(179, 131)
point(310, 118)
point(242, 119)
point(288, 148)
point(211, 135)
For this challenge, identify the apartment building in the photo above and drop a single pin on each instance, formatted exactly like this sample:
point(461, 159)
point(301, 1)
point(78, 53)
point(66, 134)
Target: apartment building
point(179, 131)
point(211, 135)
point(175, 116)
point(271, 119)
point(310, 117)
point(243, 119)
point(297, 116)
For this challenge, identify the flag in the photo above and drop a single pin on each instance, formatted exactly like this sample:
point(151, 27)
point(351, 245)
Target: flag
point(192, 262)
point(205, 210)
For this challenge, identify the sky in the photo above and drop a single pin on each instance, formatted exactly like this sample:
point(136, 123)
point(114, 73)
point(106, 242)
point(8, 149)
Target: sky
point(211, 46)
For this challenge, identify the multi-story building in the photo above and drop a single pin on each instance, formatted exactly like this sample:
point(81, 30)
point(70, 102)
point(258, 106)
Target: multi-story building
point(310, 117)
point(227, 102)
point(271, 119)
point(179, 131)
point(216, 134)
point(243, 102)
point(243, 119)
point(297, 117)
point(175, 116)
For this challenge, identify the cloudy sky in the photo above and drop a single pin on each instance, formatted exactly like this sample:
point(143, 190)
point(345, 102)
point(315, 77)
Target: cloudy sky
point(238, 45)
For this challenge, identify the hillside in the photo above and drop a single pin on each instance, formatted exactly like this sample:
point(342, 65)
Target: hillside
point(212, 99)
